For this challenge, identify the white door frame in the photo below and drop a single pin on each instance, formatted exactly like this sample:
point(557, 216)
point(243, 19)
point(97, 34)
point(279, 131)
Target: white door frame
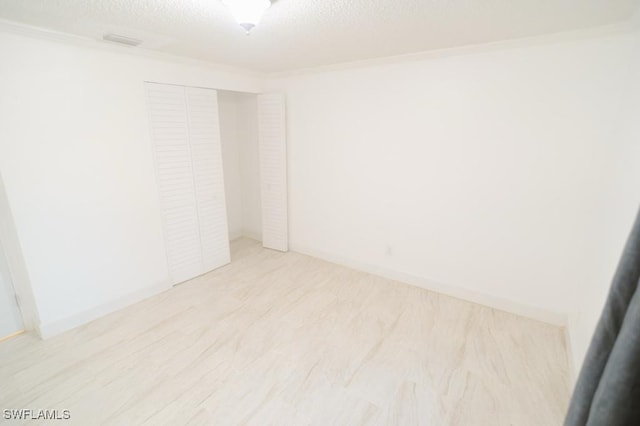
point(19, 276)
point(11, 319)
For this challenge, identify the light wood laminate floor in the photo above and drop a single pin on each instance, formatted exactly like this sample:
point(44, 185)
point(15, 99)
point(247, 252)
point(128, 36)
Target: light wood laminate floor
point(287, 339)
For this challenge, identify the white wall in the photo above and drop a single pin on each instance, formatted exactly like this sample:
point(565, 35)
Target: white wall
point(231, 160)
point(478, 174)
point(76, 159)
point(247, 108)
point(620, 203)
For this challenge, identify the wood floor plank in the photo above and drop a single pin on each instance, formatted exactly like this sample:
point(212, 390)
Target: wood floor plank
point(283, 338)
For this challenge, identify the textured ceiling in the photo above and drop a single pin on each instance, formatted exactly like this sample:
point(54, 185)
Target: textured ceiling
point(306, 33)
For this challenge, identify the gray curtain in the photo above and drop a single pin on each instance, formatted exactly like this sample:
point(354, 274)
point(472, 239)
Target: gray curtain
point(608, 388)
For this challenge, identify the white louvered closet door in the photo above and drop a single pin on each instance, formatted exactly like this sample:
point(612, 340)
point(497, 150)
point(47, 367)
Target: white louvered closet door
point(187, 174)
point(170, 135)
point(206, 151)
point(273, 170)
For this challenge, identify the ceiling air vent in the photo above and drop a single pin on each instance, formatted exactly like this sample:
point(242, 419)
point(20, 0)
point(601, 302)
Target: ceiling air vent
point(115, 38)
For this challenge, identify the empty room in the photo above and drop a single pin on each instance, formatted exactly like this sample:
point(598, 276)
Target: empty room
point(288, 212)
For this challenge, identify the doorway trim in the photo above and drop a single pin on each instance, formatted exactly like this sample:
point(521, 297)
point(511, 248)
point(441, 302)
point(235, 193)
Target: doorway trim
point(19, 276)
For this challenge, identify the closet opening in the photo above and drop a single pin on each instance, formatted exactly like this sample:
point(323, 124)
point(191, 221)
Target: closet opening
point(253, 131)
point(241, 163)
point(221, 171)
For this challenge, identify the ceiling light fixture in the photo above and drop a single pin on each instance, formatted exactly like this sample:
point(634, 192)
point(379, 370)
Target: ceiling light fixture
point(247, 12)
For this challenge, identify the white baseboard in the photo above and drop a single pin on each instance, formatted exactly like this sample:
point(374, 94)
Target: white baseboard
point(235, 235)
point(499, 303)
point(51, 329)
point(253, 235)
point(246, 234)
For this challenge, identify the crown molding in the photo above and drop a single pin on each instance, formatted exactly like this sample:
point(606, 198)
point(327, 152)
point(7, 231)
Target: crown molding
point(11, 27)
point(623, 28)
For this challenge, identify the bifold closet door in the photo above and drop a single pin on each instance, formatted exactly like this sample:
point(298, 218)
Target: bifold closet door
point(186, 144)
point(273, 170)
point(206, 153)
point(174, 172)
